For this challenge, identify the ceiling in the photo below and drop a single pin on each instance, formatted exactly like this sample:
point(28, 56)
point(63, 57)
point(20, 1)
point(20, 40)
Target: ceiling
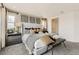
point(43, 9)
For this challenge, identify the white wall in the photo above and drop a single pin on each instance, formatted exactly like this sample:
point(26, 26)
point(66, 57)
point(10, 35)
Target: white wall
point(69, 26)
point(66, 26)
point(76, 26)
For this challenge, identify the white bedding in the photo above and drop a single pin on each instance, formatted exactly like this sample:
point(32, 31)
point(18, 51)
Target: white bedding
point(29, 40)
point(24, 37)
point(38, 44)
point(30, 44)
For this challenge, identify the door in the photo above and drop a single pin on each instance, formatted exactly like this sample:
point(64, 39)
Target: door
point(54, 25)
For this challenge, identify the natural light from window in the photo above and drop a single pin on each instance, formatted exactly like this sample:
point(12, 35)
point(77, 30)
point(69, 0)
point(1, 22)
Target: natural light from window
point(11, 21)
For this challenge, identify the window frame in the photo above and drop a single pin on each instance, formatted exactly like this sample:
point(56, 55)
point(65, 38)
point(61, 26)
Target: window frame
point(9, 21)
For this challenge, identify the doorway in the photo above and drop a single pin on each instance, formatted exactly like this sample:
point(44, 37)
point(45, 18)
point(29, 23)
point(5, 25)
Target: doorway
point(54, 25)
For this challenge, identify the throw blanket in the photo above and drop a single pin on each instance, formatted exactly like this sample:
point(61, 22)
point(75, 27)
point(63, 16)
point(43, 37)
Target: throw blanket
point(43, 41)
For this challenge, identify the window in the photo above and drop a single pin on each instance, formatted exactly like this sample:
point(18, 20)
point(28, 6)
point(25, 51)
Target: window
point(38, 21)
point(24, 18)
point(32, 19)
point(11, 20)
point(44, 22)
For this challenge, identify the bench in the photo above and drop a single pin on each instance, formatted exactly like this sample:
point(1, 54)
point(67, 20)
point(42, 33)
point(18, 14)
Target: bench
point(58, 42)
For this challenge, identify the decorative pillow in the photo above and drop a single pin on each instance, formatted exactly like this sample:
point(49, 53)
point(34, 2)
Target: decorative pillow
point(32, 31)
point(38, 30)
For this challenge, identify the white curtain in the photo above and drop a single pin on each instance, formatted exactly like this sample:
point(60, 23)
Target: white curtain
point(0, 29)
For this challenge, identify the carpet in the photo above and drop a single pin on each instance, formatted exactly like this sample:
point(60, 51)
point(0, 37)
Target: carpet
point(19, 49)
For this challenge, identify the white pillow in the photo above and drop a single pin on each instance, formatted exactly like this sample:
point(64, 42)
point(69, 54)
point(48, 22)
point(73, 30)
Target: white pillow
point(56, 36)
point(24, 37)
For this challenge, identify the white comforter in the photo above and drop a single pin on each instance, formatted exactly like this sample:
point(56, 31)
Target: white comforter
point(32, 43)
point(24, 37)
point(29, 41)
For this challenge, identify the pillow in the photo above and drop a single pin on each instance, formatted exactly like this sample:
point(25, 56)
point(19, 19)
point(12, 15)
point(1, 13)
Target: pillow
point(32, 31)
point(38, 30)
point(56, 36)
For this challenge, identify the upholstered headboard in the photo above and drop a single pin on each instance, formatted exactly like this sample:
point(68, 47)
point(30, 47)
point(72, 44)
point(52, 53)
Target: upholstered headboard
point(27, 26)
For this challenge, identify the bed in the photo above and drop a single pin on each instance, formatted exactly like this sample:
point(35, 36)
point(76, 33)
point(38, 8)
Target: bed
point(29, 40)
